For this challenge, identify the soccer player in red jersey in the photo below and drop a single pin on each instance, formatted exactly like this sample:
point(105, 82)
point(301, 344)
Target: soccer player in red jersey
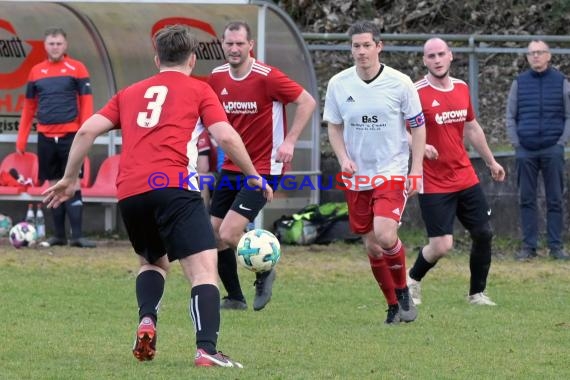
point(58, 95)
point(254, 96)
point(450, 185)
point(161, 118)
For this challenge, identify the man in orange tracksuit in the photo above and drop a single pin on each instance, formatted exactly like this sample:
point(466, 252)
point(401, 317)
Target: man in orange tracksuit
point(58, 95)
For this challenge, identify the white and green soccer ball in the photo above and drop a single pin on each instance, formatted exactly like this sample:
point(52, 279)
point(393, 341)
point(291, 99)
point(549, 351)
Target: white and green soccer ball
point(258, 250)
point(5, 225)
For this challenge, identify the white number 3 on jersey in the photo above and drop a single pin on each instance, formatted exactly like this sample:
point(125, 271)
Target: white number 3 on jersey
point(150, 118)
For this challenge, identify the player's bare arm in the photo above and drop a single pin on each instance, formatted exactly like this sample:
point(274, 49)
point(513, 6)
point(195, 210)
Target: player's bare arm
point(476, 137)
point(339, 147)
point(418, 150)
point(233, 146)
point(306, 105)
point(430, 153)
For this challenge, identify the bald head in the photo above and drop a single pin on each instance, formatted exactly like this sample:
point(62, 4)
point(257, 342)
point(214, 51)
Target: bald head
point(435, 44)
point(437, 57)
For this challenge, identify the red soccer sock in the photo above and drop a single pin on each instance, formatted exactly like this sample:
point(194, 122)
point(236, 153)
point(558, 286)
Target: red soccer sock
point(396, 263)
point(383, 278)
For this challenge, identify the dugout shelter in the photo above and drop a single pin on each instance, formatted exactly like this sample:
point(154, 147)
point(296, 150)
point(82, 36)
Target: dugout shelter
point(113, 39)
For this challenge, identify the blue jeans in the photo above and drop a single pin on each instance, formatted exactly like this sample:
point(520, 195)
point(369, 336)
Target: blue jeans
point(549, 161)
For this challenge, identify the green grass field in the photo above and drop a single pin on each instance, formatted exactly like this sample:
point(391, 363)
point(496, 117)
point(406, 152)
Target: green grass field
point(71, 314)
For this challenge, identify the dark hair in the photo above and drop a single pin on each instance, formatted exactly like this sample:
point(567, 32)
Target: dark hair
point(55, 32)
point(174, 44)
point(237, 25)
point(361, 27)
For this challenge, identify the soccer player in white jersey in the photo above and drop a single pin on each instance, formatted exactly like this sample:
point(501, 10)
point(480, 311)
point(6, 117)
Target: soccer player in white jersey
point(451, 186)
point(367, 107)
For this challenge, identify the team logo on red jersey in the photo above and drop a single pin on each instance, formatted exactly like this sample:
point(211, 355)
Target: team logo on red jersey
point(448, 117)
point(17, 56)
point(240, 107)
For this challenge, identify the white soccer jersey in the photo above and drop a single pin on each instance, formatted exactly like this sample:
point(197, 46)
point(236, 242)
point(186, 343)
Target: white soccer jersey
point(374, 117)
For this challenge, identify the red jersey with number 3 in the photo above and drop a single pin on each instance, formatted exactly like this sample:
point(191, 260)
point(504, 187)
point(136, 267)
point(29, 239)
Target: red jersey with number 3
point(446, 111)
point(159, 119)
point(255, 106)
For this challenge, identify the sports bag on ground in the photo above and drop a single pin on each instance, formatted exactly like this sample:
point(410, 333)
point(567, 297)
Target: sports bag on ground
point(315, 224)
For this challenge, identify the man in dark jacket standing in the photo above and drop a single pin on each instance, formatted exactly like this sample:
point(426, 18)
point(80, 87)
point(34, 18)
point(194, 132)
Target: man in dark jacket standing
point(538, 125)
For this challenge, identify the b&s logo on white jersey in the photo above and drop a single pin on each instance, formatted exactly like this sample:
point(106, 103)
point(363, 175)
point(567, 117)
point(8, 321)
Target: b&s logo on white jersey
point(240, 107)
point(449, 117)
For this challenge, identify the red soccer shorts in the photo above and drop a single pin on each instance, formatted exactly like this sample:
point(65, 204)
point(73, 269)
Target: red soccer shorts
point(386, 201)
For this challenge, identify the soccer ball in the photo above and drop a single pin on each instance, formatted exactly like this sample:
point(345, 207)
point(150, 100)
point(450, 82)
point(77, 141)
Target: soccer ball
point(23, 234)
point(5, 224)
point(258, 250)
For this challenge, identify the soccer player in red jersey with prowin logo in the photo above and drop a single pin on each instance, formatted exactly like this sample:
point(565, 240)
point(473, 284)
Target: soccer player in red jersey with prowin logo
point(451, 187)
point(161, 118)
point(254, 96)
point(367, 107)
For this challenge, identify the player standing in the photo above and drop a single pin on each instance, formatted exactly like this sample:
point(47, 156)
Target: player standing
point(59, 96)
